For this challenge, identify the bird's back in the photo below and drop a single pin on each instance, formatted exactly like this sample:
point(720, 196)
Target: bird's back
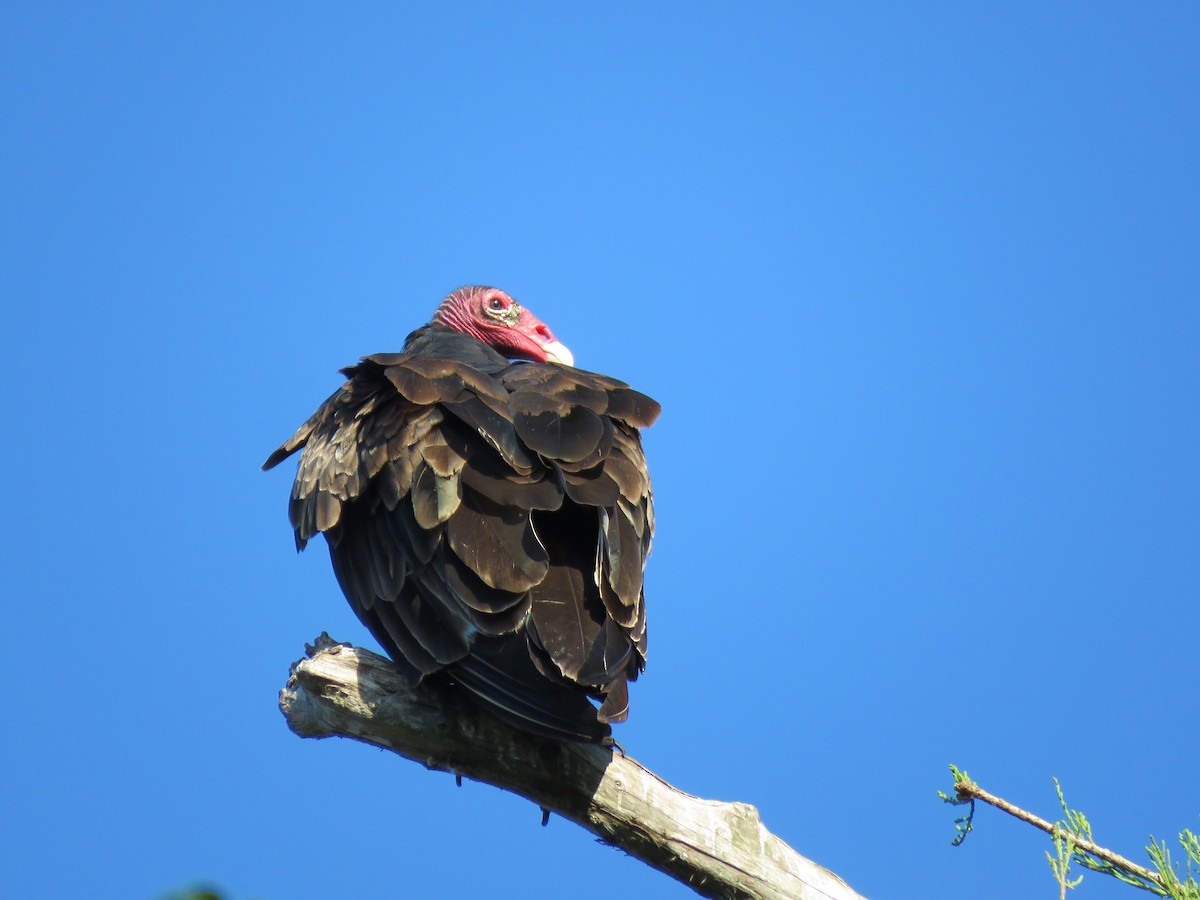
point(490, 521)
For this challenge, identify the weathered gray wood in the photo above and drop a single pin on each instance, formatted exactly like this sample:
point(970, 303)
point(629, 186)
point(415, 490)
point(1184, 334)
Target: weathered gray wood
point(719, 849)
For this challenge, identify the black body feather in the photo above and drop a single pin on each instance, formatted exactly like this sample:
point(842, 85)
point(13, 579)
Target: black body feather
point(490, 521)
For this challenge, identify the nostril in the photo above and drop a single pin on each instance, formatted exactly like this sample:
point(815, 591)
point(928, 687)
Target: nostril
point(544, 332)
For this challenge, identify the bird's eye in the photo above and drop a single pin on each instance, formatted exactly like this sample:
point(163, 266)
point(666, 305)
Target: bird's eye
point(496, 303)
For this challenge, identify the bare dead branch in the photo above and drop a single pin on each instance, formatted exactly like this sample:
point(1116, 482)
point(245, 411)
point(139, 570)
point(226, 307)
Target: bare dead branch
point(719, 849)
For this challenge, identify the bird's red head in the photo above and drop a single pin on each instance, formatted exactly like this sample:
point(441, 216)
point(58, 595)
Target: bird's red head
point(492, 316)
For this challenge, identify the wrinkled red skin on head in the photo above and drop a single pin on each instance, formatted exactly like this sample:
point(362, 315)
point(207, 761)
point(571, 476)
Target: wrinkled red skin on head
point(517, 333)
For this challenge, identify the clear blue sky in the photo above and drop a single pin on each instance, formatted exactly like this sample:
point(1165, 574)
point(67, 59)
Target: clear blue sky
point(917, 285)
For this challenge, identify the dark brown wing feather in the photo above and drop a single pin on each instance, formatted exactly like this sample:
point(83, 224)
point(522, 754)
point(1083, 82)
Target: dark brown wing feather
point(488, 520)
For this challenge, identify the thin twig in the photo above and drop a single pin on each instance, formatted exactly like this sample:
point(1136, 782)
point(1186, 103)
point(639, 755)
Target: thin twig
point(970, 790)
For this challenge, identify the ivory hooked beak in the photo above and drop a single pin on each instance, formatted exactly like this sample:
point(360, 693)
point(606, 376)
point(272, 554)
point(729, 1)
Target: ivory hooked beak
point(558, 353)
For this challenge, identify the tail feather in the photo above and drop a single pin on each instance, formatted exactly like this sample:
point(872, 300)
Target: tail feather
point(501, 674)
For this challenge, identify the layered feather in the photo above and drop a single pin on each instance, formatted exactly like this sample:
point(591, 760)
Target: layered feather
point(488, 520)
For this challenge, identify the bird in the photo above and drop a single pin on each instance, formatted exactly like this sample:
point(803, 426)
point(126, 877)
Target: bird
point(488, 512)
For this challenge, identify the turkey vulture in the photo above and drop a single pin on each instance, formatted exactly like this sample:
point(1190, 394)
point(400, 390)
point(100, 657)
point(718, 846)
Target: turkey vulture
point(488, 520)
